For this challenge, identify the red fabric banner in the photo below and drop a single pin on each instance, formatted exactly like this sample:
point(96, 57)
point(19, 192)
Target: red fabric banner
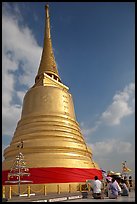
point(56, 175)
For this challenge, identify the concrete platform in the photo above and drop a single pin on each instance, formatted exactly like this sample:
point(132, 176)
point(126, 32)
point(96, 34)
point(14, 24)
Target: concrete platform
point(71, 197)
point(48, 198)
point(130, 198)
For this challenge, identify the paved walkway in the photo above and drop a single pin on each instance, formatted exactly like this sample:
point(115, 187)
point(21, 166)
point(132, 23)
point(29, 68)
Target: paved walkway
point(72, 197)
point(130, 198)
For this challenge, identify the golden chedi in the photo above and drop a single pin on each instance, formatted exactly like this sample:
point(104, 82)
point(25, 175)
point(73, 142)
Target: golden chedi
point(53, 146)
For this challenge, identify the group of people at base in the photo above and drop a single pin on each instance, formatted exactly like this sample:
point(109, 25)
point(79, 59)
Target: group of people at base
point(112, 189)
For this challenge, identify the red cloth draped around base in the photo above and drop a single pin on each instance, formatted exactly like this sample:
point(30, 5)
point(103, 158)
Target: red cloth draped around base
point(56, 175)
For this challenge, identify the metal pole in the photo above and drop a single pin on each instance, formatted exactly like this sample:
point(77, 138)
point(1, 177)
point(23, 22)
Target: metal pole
point(28, 191)
point(69, 188)
point(58, 189)
point(3, 192)
point(19, 186)
point(80, 185)
point(45, 190)
point(10, 192)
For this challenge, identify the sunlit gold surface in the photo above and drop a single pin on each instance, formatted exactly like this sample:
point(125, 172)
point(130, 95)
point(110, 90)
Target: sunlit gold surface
point(39, 189)
point(48, 127)
point(49, 130)
point(48, 63)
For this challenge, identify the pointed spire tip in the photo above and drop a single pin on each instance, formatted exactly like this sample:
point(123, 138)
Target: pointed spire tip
point(46, 6)
point(47, 10)
point(48, 63)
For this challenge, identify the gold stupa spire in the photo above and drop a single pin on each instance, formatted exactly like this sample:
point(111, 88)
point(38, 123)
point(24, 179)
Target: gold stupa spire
point(48, 63)
point(53, 145)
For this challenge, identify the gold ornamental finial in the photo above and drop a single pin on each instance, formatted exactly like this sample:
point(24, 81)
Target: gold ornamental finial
point(47, 10)
point(48, 63)
point(48, 21)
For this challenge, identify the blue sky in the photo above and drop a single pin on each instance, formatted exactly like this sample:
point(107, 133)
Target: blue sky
point(94, 47)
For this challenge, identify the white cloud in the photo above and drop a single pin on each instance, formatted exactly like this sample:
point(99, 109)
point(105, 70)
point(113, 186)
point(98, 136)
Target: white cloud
point(22, 48)
point(122, 106)
point(10, 117)
point(19, 50)
point(3, 147)
point(111, 146)
point(86, 131)
point(110, 154)
point(21, 95)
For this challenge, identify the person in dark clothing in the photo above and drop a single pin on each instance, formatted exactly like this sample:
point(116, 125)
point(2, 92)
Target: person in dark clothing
point(130, 183)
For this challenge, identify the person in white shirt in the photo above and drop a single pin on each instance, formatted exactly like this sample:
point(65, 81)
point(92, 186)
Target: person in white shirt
point(108, 180)
point(97, 188)
point(114, 189)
